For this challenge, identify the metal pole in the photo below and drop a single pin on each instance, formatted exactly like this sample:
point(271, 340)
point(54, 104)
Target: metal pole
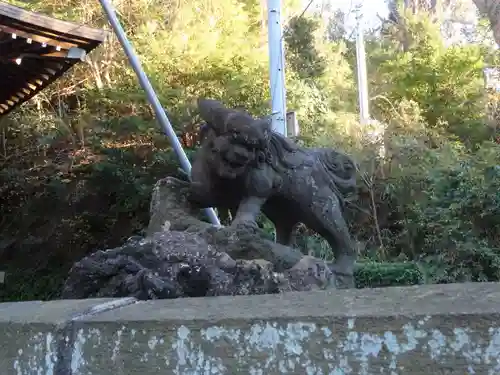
point(276, 67)
point(364, 112)
point(151, 95)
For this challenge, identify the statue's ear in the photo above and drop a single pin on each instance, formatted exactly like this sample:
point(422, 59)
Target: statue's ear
point(206, 132)
point(214, 112)
point(265, 123)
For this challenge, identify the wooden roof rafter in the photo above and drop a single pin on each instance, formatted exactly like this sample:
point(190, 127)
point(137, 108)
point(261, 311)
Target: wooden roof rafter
point(35, 50)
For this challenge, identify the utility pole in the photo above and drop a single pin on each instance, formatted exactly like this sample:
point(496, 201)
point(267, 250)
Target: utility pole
point(364, 112)
point(375, 129)
point(151, 95)
point(276, 67)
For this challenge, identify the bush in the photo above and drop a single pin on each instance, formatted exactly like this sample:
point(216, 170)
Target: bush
point(454, 223)
point(376, 275)
point(446, 82)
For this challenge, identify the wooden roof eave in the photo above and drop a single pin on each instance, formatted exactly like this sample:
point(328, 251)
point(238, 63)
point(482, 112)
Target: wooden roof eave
point(61, 27)
point(70, 43)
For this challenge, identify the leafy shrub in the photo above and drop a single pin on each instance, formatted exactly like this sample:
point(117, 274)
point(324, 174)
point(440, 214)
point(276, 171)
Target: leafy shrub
point(376, 275)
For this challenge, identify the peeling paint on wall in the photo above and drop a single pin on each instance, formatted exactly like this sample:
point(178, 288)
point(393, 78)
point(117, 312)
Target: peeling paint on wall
point(425, 330)
point(39, 357)
point(292, 348)
point(328, 343)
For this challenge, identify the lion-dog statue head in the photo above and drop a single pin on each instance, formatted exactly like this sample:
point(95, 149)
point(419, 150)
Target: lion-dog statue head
point(236, 140)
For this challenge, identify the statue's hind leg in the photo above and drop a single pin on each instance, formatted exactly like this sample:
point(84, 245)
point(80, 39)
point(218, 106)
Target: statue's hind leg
point(334, 229)
point(341, 243)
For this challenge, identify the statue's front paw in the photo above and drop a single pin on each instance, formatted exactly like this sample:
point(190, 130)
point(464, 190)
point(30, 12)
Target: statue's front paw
point(244, 223)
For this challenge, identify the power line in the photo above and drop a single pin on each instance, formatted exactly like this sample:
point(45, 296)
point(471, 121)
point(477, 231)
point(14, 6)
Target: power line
point(306, 8)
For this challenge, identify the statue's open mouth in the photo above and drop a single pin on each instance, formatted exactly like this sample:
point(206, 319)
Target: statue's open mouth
point(234, 164)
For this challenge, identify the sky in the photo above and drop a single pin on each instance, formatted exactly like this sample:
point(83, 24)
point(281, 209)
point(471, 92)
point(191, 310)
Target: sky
point(374, 10)
point(370, 9)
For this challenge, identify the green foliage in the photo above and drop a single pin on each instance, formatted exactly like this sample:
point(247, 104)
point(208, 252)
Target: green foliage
point(445, 82)
point(303, 56)
point(78, 162)
point(376, 275)
point(453, 226)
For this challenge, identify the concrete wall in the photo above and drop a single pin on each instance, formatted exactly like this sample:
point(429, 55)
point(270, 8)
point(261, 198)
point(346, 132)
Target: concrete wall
point(431, 330)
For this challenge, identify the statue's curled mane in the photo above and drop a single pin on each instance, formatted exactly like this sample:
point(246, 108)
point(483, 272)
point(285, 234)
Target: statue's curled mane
point(279, 148)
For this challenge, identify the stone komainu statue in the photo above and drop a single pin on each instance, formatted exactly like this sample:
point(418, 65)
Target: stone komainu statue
point(245, 167)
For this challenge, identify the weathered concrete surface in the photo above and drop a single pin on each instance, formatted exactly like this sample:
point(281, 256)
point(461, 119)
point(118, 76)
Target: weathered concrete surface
point(431, 330)
point(33, 334)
